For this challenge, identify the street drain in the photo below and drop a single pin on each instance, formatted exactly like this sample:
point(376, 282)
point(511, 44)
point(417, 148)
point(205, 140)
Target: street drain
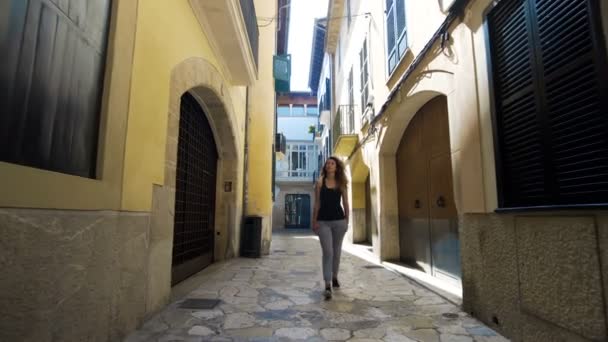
point(450, 315)
point(279, 251)
point(372, 266)
point(199, 304)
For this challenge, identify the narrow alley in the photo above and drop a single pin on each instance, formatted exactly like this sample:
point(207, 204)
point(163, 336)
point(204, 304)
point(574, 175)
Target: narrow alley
point(279, 298)
point(184, 170)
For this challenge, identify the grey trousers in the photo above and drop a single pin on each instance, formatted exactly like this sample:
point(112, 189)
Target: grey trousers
point(331, 234)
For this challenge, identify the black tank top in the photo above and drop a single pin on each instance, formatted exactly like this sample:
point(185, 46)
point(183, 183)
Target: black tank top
point(330, 208)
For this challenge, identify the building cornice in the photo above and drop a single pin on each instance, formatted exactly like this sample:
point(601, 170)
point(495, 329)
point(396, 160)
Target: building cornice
point(335, 10)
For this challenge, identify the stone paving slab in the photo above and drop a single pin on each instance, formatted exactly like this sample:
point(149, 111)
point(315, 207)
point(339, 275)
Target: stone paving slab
point(280, 298)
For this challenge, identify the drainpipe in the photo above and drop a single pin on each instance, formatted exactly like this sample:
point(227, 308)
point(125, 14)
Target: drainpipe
point(245, 163)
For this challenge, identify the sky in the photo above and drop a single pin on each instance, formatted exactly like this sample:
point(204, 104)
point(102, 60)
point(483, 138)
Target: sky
point(303, 13)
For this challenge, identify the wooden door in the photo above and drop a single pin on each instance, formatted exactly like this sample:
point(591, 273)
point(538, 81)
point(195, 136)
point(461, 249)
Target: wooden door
point(412, 182)
point(427, 213)
point(443, 224)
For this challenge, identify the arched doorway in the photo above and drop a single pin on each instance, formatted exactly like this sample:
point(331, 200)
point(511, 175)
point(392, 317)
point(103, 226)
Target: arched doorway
point(195, 191)
point(428, 221)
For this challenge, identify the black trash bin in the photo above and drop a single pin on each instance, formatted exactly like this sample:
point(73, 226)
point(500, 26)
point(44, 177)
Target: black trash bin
point(251, 237)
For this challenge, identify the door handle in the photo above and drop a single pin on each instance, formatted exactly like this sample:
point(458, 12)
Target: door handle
point(417, 204)
point(441, 202)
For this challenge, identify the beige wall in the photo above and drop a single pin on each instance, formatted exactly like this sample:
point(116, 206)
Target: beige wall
point(533, 277)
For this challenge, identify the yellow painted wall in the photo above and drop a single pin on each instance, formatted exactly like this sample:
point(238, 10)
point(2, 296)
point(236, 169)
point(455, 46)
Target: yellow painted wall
point(167, 33)
point(261, 120)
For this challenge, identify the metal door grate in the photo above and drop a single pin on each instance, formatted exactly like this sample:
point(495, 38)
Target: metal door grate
point(195, 191)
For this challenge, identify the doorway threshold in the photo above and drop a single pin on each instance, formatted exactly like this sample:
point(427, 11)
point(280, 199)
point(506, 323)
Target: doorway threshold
point(447, 290)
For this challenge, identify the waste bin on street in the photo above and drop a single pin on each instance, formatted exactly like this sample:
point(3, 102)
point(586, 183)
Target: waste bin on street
point(251, 237)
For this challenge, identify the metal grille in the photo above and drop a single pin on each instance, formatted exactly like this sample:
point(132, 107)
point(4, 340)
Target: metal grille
point(195, 188)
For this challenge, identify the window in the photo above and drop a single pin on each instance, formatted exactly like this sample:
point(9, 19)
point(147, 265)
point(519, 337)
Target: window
point(363, 58)
point(550, 89)
point(283, 111)
point(351, 94)
point(301, 159)
point(52, 122)
point(349, 123)
point(396, 36)
point(297, 110)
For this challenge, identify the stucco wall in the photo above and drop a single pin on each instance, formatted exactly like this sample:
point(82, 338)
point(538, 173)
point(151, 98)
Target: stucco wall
point(157, 52)
point(95, 259)
point(261, 128)
point(534, 277)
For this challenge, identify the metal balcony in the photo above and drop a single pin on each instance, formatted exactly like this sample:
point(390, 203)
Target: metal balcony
point(343, 131)
point(295, 175)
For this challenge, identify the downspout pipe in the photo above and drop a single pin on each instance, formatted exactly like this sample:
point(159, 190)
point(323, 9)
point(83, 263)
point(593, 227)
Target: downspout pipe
point(245, 164)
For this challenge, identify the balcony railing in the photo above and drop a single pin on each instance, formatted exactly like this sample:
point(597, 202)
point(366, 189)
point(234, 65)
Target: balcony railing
point(344, 123)
point(343, 130)
point(248, 9)
point(295, 175)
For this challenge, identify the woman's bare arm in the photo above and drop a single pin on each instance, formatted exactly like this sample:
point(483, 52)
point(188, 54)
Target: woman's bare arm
point(315, 213)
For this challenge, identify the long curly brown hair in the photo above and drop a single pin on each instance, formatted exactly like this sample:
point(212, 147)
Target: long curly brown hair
point(340, 174)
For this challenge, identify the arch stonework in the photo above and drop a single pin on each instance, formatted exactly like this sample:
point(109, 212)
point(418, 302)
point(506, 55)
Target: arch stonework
point(398, 116)
point(464, 143)
point(206, 84)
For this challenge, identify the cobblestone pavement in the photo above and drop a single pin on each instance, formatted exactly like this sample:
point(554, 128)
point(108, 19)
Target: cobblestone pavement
point(280, 298)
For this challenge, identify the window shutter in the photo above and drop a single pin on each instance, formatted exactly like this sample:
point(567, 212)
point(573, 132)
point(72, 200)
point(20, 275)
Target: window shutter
point(516, 103)
point(549, 80)
point(576, 117)
point(51, 79)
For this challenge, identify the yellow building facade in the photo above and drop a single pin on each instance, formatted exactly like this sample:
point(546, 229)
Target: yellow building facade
point(89, 258)
point(429, 172)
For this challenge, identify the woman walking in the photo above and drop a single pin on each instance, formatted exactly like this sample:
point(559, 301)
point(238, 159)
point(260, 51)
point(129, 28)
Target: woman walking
point(330, 218)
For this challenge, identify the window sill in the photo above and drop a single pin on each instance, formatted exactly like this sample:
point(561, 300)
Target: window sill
point(545, 208)
point(400, 69)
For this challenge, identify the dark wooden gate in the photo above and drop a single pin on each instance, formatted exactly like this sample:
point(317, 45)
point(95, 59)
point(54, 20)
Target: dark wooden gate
point(428, 221)
point(193, 238)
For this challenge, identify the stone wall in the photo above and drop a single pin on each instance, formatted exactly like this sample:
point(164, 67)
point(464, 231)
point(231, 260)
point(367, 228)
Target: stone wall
point(72, 275)
point(537, 277)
